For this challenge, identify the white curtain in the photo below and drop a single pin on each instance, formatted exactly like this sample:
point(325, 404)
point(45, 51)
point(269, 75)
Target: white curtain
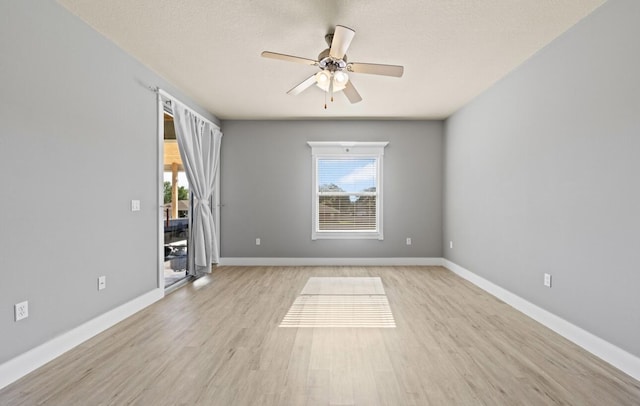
point(199, 145)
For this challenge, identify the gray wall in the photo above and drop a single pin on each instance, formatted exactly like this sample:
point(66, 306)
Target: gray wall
point(541, 175)
point(78, 141)
point(266, 188)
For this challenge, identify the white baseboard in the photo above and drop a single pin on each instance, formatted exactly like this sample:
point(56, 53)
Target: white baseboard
point(21, 365)
point(619, 358)
point(401, 261)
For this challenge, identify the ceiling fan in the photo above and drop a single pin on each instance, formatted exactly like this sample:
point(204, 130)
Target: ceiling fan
point(333, 76)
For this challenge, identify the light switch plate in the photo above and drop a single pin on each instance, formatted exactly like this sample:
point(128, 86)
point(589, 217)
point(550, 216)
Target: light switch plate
point(135, 205)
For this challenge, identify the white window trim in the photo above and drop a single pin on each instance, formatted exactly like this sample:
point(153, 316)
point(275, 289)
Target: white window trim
point(331, 149)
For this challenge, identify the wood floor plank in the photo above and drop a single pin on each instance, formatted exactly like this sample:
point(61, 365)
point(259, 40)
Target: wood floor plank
point(218, 342)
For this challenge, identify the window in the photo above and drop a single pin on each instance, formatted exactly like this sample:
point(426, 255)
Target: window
point(347, 189)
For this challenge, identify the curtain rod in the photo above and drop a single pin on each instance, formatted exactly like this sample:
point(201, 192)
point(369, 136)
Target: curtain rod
point(166, 95)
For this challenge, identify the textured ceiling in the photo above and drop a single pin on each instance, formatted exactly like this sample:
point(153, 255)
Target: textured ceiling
point(452, 50)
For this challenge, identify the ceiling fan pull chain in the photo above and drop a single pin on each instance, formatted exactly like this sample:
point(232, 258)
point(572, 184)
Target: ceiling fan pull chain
point(325, 100)
point(331, 87)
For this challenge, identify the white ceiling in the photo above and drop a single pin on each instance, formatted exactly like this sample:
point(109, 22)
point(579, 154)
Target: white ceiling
point(452, 50)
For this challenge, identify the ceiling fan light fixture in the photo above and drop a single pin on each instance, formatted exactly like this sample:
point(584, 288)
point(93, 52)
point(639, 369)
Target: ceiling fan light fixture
point(324, 78)
point(340, 78)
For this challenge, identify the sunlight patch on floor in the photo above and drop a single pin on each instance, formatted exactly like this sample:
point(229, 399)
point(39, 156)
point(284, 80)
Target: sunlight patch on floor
point(343, 286)
point(341, 302)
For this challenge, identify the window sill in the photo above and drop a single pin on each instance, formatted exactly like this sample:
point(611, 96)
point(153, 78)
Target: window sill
point(329, 235)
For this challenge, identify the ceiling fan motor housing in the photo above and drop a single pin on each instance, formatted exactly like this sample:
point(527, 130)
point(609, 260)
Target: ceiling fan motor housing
point(326, 61)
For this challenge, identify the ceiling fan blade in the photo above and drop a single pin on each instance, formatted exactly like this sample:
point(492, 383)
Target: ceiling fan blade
point(342, 38)
point(376, 69)
point(311, 80)
point(351, 93)
point(288, 58)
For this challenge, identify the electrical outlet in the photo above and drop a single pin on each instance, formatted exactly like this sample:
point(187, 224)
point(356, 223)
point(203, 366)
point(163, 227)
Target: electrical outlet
point(257, 241)
point(408, 241)
point(102, 282)
point(21, 310)
point(135, 205)
point(450, 244)
point(547, 280)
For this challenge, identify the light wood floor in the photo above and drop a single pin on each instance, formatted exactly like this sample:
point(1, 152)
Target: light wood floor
point(217, 342)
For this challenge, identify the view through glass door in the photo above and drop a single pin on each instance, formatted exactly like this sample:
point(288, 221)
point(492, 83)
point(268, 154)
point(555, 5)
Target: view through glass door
point(176, 209)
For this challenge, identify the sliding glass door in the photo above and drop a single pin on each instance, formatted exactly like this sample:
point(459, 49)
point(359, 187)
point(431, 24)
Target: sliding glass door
point(176, 209)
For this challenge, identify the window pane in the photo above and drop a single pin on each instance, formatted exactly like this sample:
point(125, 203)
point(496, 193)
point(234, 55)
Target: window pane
point(350, 213)
point(347, 175)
